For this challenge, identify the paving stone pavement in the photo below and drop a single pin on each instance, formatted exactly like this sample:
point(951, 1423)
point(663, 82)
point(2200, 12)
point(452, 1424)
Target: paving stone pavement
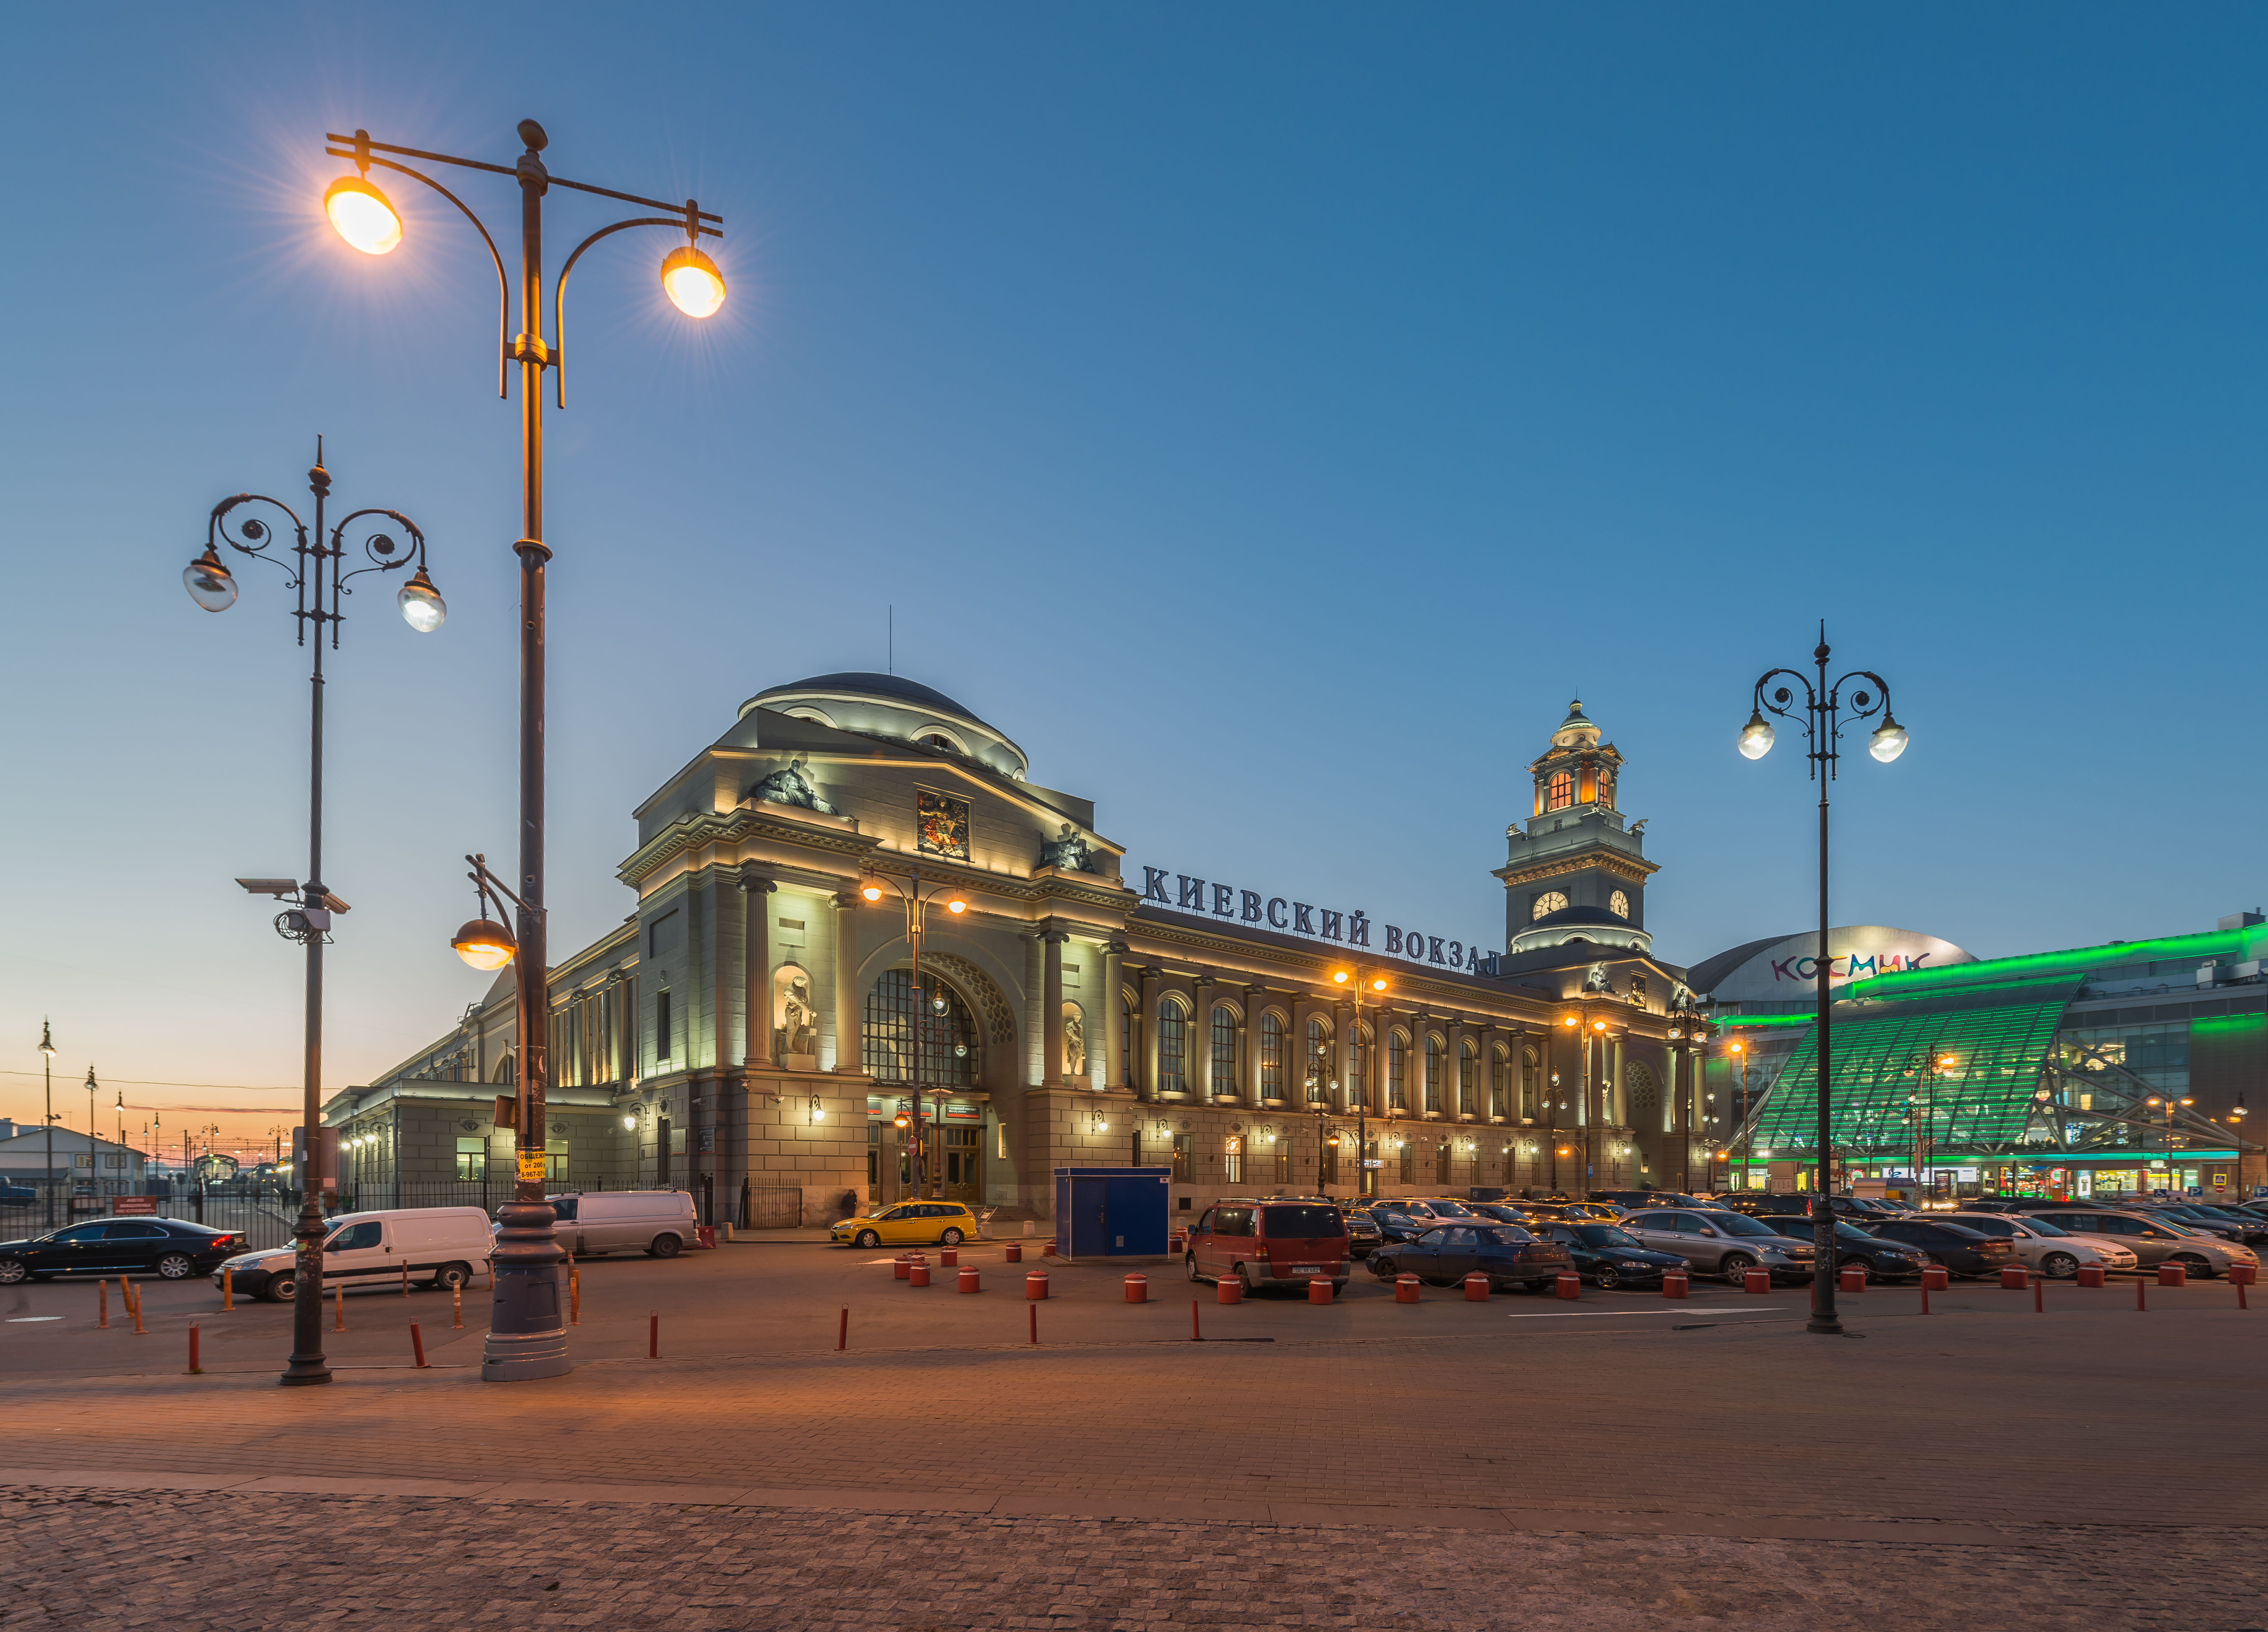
point(230, 1562)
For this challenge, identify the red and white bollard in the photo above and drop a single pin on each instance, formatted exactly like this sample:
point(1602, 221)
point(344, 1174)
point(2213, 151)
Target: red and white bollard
point(1851, 1279)
point(901, 1266)
point(2173, 1275)
point(1014, 1250)
point(1569, 1284)
point(1318, 1291)
point(1674, 1284)
point(2244, 1274)
point(1137, 1288)
point(2013, 1278)
point(948, 1258)
point(1230, 1290)
point(1935, 1277)
point(1757, 1280)
point(2090, 1274)
point(1405, 1288)
point(1035, 1285)
point(970, 1279)
point(917, 1275)
point(1476, 1287)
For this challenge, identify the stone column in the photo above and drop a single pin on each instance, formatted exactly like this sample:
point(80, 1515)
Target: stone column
point(1113, 1018)
point(1342, 1022)
point(1617, 1085)
point(756, 953)
point(1051, 1023)
point(849, 1058)
point(1148, 1014)
point(1200, 1043)
point(1381, 1018)
point(1256, 999)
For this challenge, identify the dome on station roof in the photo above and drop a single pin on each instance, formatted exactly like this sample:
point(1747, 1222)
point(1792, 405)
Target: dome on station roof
point(1575, 731)
point(898, 709)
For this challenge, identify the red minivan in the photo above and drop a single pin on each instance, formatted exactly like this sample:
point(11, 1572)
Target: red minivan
point(1269, 1243)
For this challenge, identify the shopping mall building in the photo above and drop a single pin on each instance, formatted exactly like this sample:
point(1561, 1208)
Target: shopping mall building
point(756, 1030)
point(2103, 1070)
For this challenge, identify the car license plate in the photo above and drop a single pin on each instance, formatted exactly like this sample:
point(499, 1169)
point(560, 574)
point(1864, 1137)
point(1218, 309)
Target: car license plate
point(1306, 1269)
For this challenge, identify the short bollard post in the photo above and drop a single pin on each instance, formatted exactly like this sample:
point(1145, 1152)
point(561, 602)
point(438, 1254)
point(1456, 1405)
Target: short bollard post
point(1756, 1281)
point(1196, 1332)
point(1137, 1288)
point(918, 1276)
point(338, 1308)
point(1935, 1277)
point(948, 1258)
point(971, 1279)
point(653, 1335)
point(574, 1299)
point(1476, 1287)
point(1405, 1288)
point(2173, 1275)
point(135, 1293)
point(843, 1333)
point(2141, 1294)
point(2039, 1294)
point(102, 1302)
point(1036, 1284)
point(195, 1369)
point(418, 1345)
point(1230, 1290)
point(457, 1306)
point(1318, 1291)
point(2013, 1277)
point(2090, 1274)
point(1674, 1284)
point(1569, 1284)
point(1033, 1310)
point(1851, 1279)
point(1014, 1249)
point(227, 1289)
point(902, 1267)
point(1048, 1251)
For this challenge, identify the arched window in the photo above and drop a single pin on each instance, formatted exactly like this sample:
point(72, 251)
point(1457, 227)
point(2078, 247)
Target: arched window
point(1173, 1048)
point(1619, 903)
point(946, 1056)
point(1563, 791)
point(1397, 1071)
point(1469, 1079)
point(1433, 1073)
point(1271, 1056)
point(1358, 1085)
point(1606, 788)
point(1317, 1076)
point(1496, 1083)
point(1224, 1051)
point(1549, 901)
point(1531, 1085)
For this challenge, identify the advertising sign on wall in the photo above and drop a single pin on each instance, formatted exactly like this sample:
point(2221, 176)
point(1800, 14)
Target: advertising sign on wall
point(1788, 970)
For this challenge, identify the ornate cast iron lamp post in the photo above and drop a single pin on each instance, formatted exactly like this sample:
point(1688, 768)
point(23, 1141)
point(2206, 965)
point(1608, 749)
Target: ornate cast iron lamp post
point(1356, 980)
point(1821, 712)
point(321, 586)
point(528, 1335)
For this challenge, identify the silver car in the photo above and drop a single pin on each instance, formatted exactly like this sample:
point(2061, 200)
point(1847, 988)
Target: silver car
point(2153, 1237)
point(1724, 1244)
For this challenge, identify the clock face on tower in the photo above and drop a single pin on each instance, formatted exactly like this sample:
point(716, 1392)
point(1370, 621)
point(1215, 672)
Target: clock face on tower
point(1549, 901)
point(1619, 903)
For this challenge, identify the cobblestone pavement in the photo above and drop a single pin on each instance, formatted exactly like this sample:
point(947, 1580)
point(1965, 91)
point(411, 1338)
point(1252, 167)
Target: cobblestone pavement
point(247, 1564)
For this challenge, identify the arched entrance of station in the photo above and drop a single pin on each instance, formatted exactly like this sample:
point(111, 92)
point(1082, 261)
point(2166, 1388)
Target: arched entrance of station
point(924, 1049)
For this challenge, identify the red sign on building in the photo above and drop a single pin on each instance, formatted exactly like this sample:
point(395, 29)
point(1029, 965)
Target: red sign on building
point(120, 1205)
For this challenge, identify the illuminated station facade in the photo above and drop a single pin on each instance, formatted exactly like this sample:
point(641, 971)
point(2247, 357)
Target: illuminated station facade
point(757, 1030)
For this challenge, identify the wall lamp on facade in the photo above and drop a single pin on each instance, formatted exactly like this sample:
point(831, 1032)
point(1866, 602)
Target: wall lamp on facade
point(630, 1122)
point(818, 1111)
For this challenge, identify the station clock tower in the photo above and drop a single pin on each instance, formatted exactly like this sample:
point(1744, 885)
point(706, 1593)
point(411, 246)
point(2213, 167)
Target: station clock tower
point(1575, 875)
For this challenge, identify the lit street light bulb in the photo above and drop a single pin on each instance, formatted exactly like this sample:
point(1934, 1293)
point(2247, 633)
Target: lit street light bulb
point(422, 605)
point(695, 285)
point(485, 944)
point(211, 585)
point(1888, 740)
point(363, 215)
point(1757, 735)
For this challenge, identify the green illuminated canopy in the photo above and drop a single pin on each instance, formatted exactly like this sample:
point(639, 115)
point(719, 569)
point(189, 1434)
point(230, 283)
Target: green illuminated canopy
point(1884, 1089)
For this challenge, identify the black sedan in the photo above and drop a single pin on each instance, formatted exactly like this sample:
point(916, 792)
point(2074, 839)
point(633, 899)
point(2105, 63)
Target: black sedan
point(1446, 1254)
point(1610, 1256)
point(1883, 1259)
point(1962, 1251)
point(171, 1248)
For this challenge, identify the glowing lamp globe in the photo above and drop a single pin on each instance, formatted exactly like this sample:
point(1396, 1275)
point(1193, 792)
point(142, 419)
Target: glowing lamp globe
point(1757, 735)
point(1888, 740)
point(363, 215)
point(422, 605)
point(485, 944)
point(695, 285)
point(211, 585)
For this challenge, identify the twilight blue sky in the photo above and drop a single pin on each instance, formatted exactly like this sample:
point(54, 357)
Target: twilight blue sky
point(1269, 415)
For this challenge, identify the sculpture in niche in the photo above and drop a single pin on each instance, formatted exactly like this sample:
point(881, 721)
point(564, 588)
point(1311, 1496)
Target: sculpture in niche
point(795, 1022)
point(1070, 850)
point(1074, 1041)
point(941, 825)
point(791, 785)
point(1596, 980)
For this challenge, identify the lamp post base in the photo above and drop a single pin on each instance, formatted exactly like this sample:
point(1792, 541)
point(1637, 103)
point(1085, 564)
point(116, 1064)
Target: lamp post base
point(1829, 1326)
point(528, 1327)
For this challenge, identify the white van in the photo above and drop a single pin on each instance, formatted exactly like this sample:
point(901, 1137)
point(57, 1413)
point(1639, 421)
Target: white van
point(443, 1247)
point(593, 1223)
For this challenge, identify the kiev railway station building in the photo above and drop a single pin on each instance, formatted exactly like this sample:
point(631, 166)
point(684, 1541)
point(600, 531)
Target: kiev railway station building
point(754, 1031)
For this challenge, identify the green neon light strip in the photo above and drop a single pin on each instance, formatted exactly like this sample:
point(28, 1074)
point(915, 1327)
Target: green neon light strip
point(1764, 1020)
point(2242, 944)
point(2225, 1025)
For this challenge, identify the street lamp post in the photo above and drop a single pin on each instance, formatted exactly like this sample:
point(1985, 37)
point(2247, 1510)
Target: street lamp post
point(1821, 717)
point(93, 1166)
point(318, 580)
point(2170, 1103)
point(1355, 979)
point(48, 1116)
point(528, 1337)
point(916, 907)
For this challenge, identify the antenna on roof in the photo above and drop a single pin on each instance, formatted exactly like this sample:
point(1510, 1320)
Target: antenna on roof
point(893, 657)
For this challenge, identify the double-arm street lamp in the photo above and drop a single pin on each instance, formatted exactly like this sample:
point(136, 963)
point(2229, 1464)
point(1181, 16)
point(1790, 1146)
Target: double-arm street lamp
point(317, 577)
point(2170, 1106)
point(1820, 714)
point(917, 905)
point(1355, 981)
point(527, 1335)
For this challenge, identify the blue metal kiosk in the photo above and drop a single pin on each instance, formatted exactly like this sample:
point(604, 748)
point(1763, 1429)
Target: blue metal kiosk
point(1112, 1212)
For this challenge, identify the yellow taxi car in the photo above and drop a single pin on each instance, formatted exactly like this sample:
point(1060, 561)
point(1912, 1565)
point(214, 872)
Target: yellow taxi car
point(910, 1224)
